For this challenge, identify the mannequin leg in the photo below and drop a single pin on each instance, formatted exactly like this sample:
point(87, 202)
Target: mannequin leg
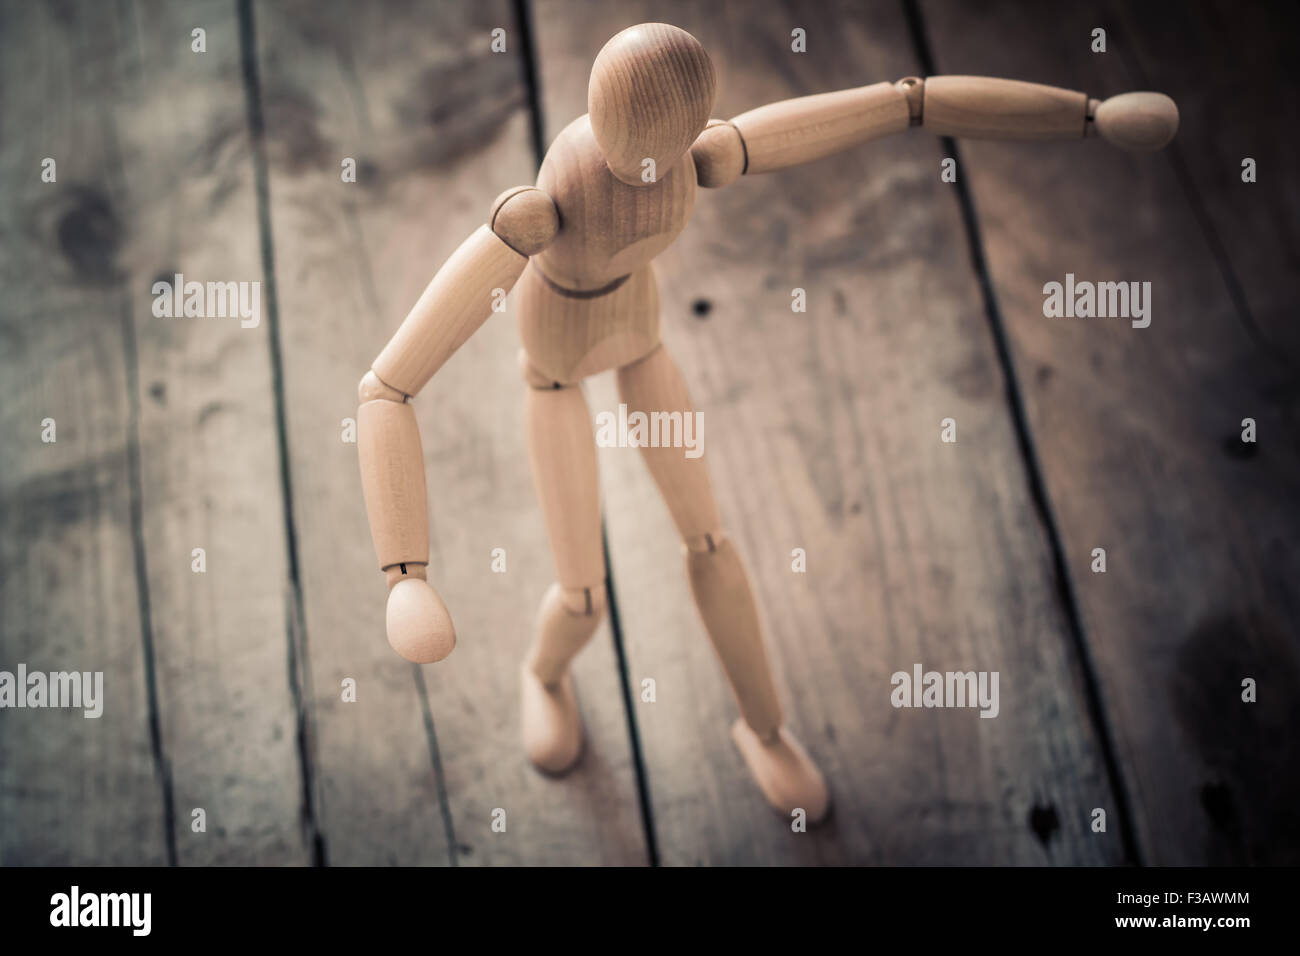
point(721, 589)
point(562, 451)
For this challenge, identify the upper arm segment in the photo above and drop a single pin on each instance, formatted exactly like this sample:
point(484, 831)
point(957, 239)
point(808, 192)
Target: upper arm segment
point(522, 222)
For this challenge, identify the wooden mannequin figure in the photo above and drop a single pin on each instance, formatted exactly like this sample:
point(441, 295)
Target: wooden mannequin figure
point(616, 188)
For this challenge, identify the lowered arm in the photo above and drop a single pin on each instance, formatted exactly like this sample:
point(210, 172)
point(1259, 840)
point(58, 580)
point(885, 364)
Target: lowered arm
point(798, 131)
point(455, 304)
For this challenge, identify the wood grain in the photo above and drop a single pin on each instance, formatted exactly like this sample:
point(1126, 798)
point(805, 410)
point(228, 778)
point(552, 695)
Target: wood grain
point(568, 338)
point(823, 434)
point(997, 108)
point(609, 228)
point(651, 90)
point(165, 445)
point(210, 467)
point(794, 132)
point(822, 429)
point(562, 454)
point(454, 305)
point(1138, 432)
point(525, 219)
point(437, 125)
point(392, 481)
point(65, 508)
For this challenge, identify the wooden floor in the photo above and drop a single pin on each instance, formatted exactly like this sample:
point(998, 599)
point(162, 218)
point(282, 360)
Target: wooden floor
point(225, 690)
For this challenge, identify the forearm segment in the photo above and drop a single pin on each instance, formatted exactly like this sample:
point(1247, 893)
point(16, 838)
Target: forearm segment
point(455, 304)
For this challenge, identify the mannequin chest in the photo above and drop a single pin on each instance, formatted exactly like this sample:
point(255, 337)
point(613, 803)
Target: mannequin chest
point(608, 228)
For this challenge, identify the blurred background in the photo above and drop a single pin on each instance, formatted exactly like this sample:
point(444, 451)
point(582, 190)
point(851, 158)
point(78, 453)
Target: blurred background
point(224, 690)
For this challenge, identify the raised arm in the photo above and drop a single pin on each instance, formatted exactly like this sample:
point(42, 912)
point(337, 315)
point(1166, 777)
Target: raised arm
point(801, 130)
point(522, 222)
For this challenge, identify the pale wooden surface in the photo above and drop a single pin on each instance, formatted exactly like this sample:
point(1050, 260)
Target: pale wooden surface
point(649, 97)
point(607, 234)
point(1001, 108)
point(450, 310)
point(562, 455)
point(822, 432)
point(793, 132)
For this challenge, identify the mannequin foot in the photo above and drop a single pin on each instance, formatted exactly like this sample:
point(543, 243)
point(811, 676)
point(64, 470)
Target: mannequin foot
point(784, 771)
point(551, 723)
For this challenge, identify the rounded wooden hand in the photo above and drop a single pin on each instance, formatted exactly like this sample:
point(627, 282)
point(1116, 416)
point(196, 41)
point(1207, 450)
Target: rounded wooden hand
point(1138, 122)
point(419, 625)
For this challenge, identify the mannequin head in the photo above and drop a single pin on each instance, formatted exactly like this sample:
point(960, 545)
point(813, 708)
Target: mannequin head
point(650, 96)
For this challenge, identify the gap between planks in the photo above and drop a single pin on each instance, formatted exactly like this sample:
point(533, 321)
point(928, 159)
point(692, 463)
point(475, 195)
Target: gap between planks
point(1032, 467)
point(524, 20)
point(299, 665)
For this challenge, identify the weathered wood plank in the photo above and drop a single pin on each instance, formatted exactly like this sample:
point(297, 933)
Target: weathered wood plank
point(164, 447)
point(1138, 432)
point(210, 470)
point(823, 433)
point(438, 125)
point(72, 790)
point(1231, 69)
